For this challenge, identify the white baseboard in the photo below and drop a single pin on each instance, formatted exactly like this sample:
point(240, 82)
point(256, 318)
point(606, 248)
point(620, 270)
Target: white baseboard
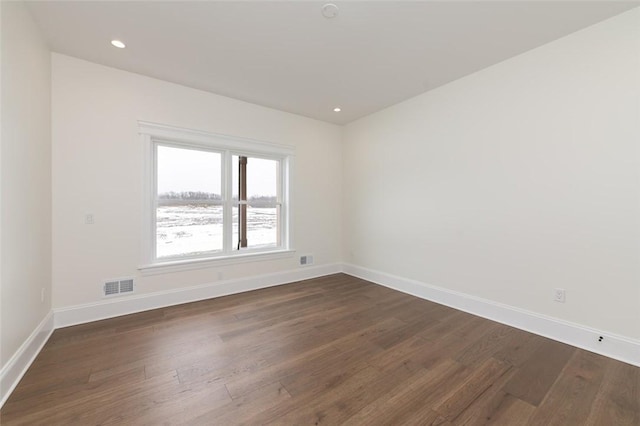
point(613, 346)
point(81, 314)
point(13, 370)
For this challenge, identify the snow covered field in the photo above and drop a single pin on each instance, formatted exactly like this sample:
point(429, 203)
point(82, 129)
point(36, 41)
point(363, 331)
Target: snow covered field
point(192, 229)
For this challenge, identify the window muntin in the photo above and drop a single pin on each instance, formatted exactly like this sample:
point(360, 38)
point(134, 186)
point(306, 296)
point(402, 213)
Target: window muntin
point(197, 207)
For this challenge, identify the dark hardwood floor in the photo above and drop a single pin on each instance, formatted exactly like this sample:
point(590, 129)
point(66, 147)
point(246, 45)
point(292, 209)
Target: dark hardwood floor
point(333, 350)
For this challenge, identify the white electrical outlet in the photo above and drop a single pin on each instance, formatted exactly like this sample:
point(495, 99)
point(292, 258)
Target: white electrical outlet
point(559, 295)
point(88, 219)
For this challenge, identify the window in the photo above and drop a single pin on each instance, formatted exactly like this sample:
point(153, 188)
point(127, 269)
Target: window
point(214, 197)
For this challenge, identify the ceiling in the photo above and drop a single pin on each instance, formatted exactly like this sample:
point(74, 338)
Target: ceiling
point(287, 56)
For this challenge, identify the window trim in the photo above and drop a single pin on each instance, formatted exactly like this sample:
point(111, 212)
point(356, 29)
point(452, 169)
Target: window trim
point(152, 135)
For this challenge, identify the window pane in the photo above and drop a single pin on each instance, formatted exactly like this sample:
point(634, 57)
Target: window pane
point(262, 179)
point(262, 227)
point(188, 230)
point(262, 209)
point(234, 180)
point(188, 174)
point(189, 213)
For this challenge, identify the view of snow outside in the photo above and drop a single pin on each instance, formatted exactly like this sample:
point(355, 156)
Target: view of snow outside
point(187, 230)
point(189, 213)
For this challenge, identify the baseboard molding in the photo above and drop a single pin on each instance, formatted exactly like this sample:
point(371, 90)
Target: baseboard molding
point(13, 370)
point(613, 346)
point(81, 314)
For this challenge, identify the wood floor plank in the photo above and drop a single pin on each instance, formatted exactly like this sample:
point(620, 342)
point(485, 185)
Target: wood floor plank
point(618, 399)
point(407, 400)
point(332, 374)
point(313, 362)
point(188, 404)
point(308, 361)
point(501, 409)
point(424, 417)
point(535, 378)
point(37, 383)
point(240, 410)
point(493, 341)
point(398, 354)
point(494, 406)
point(569, 401)
point(406, 331)
point(464, 394)
point(330, 350)
point(105, 404)
point(519, 348)
point(452, 323)
point(450, 346)
point(345, 399)
point(70, 393)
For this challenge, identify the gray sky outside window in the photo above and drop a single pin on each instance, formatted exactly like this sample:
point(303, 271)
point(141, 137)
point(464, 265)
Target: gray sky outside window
point(262, 176)
point(183, 169)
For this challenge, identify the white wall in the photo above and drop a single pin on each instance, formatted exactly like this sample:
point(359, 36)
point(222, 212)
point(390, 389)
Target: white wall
point(97, 161)
point(25, 179)
point(510, 182)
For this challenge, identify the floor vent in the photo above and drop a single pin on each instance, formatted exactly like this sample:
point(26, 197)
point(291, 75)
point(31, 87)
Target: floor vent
point(115, 287)
point(306, 260)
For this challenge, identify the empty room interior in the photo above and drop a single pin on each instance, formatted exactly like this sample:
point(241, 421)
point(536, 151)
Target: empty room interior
point(302, 212)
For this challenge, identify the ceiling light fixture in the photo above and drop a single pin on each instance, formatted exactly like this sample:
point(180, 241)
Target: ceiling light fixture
point(337, 109)
point(329, 10)
point(118, 44)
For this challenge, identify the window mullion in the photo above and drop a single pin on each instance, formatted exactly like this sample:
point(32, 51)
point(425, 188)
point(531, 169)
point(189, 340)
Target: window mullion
point(227, 214)
point(281, 207)
point(242, 200)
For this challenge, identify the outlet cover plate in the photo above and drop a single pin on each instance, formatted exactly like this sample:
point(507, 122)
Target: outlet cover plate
point(559, 295)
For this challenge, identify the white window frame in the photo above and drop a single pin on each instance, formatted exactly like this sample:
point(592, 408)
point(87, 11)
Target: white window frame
point(154, 135)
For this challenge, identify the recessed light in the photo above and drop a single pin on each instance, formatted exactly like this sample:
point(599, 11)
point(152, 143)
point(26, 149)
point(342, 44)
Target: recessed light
point(329, 10)
point(118, 44)
point(337, 109)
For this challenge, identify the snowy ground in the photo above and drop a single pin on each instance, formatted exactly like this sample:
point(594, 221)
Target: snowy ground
point(189, 229)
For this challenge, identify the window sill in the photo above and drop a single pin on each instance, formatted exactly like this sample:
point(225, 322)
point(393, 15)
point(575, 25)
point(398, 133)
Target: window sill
point(211, 262)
